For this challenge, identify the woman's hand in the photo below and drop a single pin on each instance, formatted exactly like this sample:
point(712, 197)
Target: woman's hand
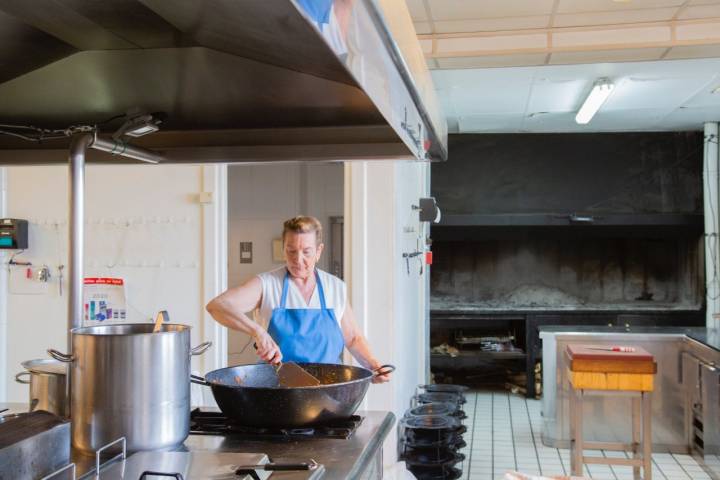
point(267, 349)
point(385, 377)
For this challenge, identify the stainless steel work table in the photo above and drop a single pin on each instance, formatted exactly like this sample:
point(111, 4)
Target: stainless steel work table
point(674, 349)
point(359, 456)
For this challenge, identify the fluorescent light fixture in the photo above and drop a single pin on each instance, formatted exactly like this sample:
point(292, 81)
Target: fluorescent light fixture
point(599, 93)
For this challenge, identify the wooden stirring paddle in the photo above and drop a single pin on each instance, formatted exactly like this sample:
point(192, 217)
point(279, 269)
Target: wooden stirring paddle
point(162, 316)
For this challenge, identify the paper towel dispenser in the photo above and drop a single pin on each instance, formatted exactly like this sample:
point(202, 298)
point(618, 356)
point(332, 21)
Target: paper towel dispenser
point(13, 234)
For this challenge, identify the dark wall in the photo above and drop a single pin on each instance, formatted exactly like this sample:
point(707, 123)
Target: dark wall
point(559, 173)
point(530, 272)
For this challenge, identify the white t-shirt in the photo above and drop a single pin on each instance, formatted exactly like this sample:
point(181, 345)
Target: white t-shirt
point(272, 285)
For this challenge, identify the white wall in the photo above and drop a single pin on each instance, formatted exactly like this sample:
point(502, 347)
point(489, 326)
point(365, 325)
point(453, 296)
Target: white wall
point(144, 223)
point(261, 197)
point(390, 303)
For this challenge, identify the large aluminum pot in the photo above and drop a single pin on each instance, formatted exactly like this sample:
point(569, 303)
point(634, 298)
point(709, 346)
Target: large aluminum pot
point(129, 382)
point(47, 385)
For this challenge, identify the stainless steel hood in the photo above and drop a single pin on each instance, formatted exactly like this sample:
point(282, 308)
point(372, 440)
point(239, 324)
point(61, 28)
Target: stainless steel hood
point(237, 80)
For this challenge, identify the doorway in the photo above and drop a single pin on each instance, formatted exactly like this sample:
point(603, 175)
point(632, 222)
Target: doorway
point(260, 199)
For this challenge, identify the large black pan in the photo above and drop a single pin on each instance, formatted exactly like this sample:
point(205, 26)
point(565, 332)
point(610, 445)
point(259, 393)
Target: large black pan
point(250, 395)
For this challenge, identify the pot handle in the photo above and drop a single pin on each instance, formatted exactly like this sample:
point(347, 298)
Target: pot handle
point(383, 370)
point(199, 380)
point(62, 357)
point(17, 378)
point(200, 349)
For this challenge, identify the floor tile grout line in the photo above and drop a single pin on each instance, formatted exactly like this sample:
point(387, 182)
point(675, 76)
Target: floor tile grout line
point(512, 430)
point(472, 436)
point(659, 468)
point(681, 466)
point(492, 435)
point(532, 434)
point(612, 470)
point(562, 464)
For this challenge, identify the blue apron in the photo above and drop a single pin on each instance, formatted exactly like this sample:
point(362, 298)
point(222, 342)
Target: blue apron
point(306, 334)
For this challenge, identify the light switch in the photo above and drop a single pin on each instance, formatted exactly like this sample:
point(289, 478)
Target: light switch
point(246, 252)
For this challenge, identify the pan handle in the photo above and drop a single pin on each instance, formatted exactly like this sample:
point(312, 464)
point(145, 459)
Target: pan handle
point(18, 380)
point(199, 380)
point(200, 349)
point(383, 370)
point(62, 357)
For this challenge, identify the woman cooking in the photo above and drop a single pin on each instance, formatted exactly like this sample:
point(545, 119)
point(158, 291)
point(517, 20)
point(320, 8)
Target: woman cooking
point(305, 309)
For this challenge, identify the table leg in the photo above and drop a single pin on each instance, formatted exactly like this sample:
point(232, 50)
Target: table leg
point(647, 435)
point(573, 433)
point(636, 416)
point(578, 433)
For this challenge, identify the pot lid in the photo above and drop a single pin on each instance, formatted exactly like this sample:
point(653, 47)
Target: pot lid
point(45, 365)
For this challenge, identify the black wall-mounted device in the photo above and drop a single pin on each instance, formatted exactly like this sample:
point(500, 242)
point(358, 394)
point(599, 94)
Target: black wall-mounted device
point(13, 234)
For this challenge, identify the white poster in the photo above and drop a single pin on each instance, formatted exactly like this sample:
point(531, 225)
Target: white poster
point(104, 300)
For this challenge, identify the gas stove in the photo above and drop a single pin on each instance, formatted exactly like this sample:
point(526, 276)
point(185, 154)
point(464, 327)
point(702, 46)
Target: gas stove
point(201, 465)
point(212, 422)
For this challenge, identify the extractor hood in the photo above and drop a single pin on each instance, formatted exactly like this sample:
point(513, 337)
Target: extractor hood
point(234, 80)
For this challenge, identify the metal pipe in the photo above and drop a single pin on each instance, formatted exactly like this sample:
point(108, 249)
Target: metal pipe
point(76, 192)
point(78, 148)
point(123, 149)
point(710, 190)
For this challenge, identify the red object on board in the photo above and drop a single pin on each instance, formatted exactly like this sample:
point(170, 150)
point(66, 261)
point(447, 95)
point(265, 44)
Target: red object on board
point(428, 258)
point(587, 352)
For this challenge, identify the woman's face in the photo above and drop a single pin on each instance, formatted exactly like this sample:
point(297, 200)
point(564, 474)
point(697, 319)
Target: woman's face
point(302, 252)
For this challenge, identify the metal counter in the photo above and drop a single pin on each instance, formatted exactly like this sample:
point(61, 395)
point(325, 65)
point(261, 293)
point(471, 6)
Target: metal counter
point(359, 457)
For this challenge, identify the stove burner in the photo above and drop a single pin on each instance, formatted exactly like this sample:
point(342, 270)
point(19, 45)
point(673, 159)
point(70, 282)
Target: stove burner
point(204, 422)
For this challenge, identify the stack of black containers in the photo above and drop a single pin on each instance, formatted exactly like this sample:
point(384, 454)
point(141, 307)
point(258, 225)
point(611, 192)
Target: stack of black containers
point(430, 434)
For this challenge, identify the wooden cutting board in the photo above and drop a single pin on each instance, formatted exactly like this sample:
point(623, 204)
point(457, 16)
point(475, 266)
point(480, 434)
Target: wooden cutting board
point(585, 358)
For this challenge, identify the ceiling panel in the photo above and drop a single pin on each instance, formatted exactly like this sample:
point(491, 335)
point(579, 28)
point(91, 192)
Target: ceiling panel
point(489, 123)
point(595, 56)
point(693, 51)
point(423, 28)
point(491, 24)
point(576, 6)
point(700, 11)
point(466, 9)
point(417, 10)
point(703, 2)
point(495, 93)
point(691, 118)
point(653, 91)
point(553, 95)
point(613, 17)
point(492, 61)
point(628, 120)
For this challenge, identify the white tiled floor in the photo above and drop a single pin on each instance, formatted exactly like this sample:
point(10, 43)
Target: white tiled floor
point(504, 433)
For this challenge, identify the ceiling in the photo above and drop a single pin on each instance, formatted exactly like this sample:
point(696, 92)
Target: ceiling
point(527, 65)
point(669, 95)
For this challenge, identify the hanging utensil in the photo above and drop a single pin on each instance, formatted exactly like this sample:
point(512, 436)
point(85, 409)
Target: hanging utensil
point(162, 316)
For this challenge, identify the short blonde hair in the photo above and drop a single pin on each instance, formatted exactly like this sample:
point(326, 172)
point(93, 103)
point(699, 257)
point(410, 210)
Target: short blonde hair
point(303, 224)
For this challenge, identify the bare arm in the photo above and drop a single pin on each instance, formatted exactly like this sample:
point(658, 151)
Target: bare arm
point(229, 309)
point(357, 344)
